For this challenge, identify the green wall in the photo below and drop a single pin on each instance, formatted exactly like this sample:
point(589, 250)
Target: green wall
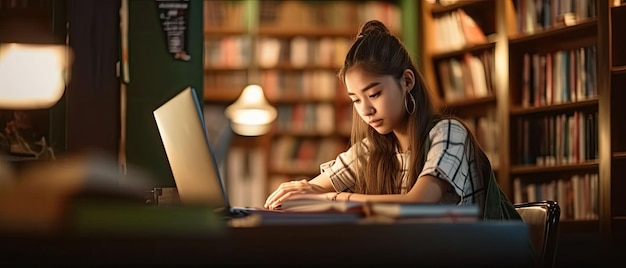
point(409, 13)
point(155, 76)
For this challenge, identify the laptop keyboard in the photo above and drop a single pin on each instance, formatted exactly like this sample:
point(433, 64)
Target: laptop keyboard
point(239, 212)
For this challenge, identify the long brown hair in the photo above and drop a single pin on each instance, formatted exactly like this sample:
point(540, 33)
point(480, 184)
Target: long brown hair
point(377, 51)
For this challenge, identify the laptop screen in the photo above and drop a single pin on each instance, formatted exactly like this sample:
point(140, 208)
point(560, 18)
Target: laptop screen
point(181, 126)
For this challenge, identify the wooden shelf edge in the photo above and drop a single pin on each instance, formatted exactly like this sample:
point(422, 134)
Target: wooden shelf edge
point(587, 24)
point(469, 102)
point(311, 134)
point(221, 31)
point(291, 99)
point(619, 155)
point(281, 67)
point(459, 52)
point(439, 9)
point(290, 67)
point(343, 31)
point(528, 169)
point(618, 69)
point(221, 95)
point(517, 110)
point(212, 68)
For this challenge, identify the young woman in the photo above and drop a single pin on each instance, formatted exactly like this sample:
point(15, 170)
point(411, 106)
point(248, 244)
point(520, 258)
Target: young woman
point(401, 150)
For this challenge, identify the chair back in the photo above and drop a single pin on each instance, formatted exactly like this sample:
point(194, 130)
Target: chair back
point(542, 218)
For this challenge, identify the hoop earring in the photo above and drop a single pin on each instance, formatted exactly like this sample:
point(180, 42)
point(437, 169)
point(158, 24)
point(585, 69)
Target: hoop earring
point(406, 105)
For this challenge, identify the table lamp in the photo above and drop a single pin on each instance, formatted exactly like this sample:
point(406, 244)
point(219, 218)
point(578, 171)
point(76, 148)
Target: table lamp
point(32, 76)
point(251, 114)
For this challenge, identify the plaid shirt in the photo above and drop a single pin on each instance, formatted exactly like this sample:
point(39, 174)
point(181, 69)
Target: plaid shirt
point(447, 159)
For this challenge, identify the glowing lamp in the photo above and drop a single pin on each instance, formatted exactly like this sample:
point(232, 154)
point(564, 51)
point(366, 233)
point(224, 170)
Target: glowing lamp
point(251, 114)
point(32, 76)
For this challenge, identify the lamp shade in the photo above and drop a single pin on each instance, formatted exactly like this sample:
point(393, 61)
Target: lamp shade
point(251, 114)
point(32, 76)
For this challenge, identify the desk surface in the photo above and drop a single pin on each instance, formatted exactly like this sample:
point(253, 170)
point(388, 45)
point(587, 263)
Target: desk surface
point(484, 244)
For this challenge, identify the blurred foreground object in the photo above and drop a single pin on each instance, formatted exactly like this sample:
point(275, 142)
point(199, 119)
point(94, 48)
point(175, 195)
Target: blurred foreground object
point(87, 193)
point(39, 196)
point(33, 76)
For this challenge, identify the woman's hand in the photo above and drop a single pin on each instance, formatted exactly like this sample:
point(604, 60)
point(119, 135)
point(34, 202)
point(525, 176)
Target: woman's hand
point(291, 190)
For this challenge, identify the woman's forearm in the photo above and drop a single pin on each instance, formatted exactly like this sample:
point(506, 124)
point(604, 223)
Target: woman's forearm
point(393, 198)
point(427, 189)
point(323, 181)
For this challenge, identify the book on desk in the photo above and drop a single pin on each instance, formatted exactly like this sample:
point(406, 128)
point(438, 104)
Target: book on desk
point(388, 212)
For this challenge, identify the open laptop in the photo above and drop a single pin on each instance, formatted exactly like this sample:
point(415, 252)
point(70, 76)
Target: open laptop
point(180, 122)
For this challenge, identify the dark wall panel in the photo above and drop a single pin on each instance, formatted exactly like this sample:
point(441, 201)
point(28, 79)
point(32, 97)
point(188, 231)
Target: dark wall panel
point(93, 93)
point(156, 76)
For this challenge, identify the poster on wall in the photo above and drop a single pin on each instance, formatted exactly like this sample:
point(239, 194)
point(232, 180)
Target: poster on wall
point(174, 17)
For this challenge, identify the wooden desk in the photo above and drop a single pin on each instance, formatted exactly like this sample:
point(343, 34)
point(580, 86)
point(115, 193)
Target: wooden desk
point(482, 244)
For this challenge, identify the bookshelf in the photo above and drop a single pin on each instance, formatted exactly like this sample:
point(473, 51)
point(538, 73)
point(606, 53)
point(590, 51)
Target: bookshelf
point(555, 89)
point(293, 49)
point(615, 215)
point(458, 63)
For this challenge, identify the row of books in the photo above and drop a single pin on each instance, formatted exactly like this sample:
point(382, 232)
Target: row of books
point(468, 77)
point(301, 51)
point(224, 14)
point(295, 51)
point(576, 195)
point(298, 14)
point(535, 15)
point(227, 51)
point(317, 118)
point(344, 119)
point(299, 154)
point(386, 12)
point(559, 139)
point(486, 131)
point(313, 85)
point(329, 14)
point(559, 77)
point(456, 30)
point(281, 85)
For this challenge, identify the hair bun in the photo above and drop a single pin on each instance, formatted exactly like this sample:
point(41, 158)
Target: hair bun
point(373, 27)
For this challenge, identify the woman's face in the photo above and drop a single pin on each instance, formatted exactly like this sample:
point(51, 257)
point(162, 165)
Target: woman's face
point(378, 99)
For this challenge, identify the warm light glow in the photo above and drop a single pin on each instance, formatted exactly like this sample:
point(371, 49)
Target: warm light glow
point(251, 115)
point(32, 76)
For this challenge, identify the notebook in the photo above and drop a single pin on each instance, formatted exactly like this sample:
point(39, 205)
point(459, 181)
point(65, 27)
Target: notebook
point(180, 122)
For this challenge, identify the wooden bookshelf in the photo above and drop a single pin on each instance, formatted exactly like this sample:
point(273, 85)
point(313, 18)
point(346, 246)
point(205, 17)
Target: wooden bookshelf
point(448, 70)
point(298, 47)
point(593, 41)
point(614, 198)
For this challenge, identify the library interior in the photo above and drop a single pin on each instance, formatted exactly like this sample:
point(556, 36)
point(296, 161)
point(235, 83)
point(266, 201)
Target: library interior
point(87, 171)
